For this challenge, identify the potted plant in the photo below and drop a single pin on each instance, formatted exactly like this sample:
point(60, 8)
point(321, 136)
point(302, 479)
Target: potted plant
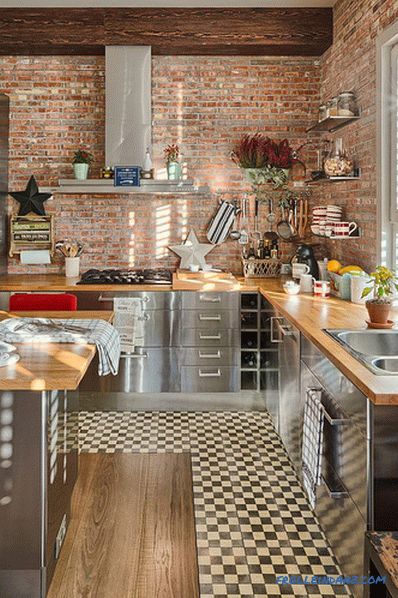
point(383, 283)
point(264, 160)
point(172, 154)
point(81, 164)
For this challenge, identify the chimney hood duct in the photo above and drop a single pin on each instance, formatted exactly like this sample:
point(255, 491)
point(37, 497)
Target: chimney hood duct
point(128, 109)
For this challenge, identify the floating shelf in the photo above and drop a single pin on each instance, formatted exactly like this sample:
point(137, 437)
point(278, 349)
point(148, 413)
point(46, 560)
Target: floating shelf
point(106, 186)
point(333, 123)
point(333, 179)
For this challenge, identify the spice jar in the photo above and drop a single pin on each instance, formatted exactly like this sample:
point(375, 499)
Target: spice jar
point(322, 112)
point(347, 104)
point(337, 163)
point(333, 107)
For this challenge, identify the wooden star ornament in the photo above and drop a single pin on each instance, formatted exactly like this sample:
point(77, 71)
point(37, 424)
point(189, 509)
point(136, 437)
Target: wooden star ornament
point(31, 200)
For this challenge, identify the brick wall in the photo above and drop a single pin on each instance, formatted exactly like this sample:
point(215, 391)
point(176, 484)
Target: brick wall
point(351, 65)
point(204, 104)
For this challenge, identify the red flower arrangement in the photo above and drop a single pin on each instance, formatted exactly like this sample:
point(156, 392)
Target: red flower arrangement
point(259, 151)
point(82, 157)
point(171, 153)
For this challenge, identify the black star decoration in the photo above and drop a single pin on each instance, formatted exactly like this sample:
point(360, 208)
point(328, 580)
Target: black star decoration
point(30, 199)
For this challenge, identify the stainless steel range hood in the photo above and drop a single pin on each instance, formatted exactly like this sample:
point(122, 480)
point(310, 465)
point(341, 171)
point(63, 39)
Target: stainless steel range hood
point(128, 109)
point(128, 125)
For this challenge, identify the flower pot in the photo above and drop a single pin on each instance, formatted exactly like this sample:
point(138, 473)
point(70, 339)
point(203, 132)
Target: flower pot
point(378, 312)
point(72, 265)
point(81, 171)
point(174, 171)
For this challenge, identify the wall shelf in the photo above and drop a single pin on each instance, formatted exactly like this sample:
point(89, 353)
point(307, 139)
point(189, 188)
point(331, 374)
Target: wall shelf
point(333, 179)
point(106, 187)
point(332, 123)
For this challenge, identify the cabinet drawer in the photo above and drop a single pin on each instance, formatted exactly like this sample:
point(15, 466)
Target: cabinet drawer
point(210, 379)
point(344, 528)
point(210, 319)
point(194, 337)
point(211, 356)
point(155, 300)
point(210, 301)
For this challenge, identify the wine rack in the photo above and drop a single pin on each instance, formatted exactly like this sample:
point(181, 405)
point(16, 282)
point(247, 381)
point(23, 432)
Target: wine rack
point(259, 356)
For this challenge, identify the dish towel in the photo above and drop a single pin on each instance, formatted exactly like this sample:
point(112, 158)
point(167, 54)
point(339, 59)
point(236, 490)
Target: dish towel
point(129, 322)
point(45, 330)
point(221, 224)
point(312, 444)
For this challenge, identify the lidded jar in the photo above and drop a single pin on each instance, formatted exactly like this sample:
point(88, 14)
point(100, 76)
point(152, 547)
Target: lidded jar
point(347, 104)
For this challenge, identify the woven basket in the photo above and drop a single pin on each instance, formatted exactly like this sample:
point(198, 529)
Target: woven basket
point(261, 268)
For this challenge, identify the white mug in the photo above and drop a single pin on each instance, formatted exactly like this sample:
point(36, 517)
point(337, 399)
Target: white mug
point(306, 283)
point(299, 269)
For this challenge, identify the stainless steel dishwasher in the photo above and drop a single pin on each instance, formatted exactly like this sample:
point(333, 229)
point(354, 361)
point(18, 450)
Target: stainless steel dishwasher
point(290, 410)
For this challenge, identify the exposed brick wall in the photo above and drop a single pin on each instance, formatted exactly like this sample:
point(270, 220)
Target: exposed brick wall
point(204, 104)
point(351, 65)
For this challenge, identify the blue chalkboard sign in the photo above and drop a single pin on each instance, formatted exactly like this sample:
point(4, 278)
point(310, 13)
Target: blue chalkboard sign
point(127, 176)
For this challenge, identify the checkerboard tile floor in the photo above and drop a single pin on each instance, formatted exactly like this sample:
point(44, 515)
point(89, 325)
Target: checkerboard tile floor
point(253, 520)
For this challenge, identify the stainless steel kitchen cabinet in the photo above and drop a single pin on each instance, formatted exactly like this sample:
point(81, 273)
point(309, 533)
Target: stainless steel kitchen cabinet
point(290, 408)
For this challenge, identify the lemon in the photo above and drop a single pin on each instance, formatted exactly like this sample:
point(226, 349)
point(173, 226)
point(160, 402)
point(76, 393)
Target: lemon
point(334, 266)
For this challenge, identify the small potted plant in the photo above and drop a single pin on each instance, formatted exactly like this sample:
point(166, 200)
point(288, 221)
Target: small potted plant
point(383, 283)
point(171, 154)
point(81, 164)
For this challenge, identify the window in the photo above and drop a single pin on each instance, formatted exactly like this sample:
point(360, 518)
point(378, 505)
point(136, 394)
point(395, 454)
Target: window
point(387, 156)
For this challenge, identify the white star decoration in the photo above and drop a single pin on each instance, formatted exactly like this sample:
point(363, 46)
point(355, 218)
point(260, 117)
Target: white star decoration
point(192, 252)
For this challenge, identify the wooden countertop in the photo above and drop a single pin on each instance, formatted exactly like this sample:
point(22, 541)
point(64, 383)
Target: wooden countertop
point(49, 366)
point(309, 314)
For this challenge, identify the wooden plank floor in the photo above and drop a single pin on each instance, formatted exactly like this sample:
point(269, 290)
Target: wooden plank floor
point(132, 533)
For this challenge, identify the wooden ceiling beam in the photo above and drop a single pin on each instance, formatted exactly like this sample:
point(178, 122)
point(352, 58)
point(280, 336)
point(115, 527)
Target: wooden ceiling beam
point(170, 31)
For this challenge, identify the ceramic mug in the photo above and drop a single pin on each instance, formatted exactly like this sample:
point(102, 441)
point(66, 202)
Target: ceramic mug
point(344, 229)
point(322, 288)
point(306, 283)
point(299, 269)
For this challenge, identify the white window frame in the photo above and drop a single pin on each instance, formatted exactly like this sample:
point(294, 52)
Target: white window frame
point(387, 166)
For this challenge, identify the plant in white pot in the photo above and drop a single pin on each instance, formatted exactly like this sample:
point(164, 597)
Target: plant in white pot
point(172, 154)
point(81, 164)
point(384, 284)
point(264, 160)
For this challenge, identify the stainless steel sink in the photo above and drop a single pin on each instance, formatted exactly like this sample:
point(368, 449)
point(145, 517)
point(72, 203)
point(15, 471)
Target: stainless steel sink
point(377, 349)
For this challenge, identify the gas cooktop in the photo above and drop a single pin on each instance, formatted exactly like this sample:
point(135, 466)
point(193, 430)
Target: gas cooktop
point(146, 276)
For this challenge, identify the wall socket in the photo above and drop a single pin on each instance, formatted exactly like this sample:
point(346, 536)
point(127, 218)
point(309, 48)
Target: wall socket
point(59, 540)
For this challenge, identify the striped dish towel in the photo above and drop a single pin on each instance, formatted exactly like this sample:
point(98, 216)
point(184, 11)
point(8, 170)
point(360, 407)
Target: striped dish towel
point(221, 223)
point(44, 330)
point(312, 444)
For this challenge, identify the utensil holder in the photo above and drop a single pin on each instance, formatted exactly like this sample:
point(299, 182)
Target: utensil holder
point(72, 266)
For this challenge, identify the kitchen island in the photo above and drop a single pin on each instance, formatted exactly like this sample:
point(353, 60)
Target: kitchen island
point(38, 457)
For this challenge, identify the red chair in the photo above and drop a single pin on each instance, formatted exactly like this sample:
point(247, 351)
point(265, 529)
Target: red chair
point(43, 302)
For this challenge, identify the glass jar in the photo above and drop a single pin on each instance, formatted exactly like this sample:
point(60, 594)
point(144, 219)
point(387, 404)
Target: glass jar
point(347, 104)
point(338, 164)
point(333, 107)
point(322, 112)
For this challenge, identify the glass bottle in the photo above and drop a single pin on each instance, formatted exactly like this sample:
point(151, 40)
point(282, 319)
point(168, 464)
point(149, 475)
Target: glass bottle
point(338, 164)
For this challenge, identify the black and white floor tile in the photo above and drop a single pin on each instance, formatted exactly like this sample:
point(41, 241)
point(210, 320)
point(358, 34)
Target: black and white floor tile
point(253, 520)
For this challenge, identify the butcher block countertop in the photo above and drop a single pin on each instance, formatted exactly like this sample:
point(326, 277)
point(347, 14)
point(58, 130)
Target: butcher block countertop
point(309, 314)
point(49, 366)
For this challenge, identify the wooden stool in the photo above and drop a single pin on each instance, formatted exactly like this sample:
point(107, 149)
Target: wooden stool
point(381, 559)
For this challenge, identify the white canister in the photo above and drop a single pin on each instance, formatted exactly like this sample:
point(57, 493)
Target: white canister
point(72, 266)
point(359, 282)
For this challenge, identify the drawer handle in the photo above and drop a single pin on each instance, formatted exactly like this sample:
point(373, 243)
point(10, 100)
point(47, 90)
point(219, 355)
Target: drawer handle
point(102, 299)
point(203, 374)
point(209, 337)
point(333, 421)
point(334, 493)
point(215, 318)
point(133, 355)
point(216, 355)
point(211, 299)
